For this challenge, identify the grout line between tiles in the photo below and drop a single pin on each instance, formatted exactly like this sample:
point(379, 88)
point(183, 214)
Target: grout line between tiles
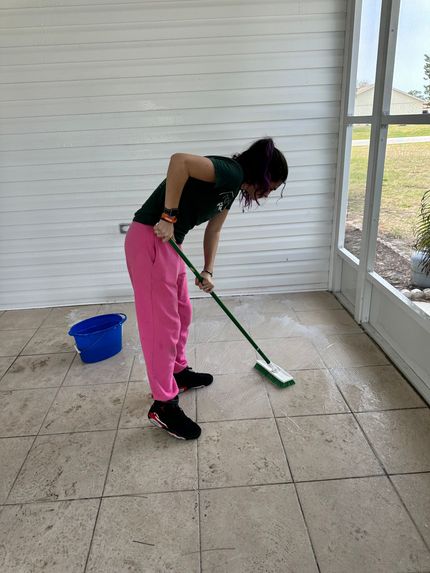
point(361, 429)
point(292, 478)
point(47, 316)
point(409, 513)
point(108, 465)
point(63, 386)
point(91, 385)
point(7, 370)
point(382, 411)
point(257, 419)
point(68, 351)
point(6, 330)
point(297, 494)
point(386, 473)
point(36, 435)
point(142, 494)
point(216, 421)
point(39, 435)
point(309, 415)
point(341, 478)
point(263, 484)
point(24, 345)
point(394, 474)
point(31, 338)
point(199, 505)
point(354, 412)
point(201, 422)
point(178, 491)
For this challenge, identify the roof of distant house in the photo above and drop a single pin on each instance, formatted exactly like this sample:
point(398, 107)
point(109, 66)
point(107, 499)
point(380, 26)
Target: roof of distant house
point(371, 86)
point(364, 89)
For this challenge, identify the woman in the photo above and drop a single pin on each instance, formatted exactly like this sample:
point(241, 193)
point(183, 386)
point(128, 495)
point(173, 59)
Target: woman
point(196, 189)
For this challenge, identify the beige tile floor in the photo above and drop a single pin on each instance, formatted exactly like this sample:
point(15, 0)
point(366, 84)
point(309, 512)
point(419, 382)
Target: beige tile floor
point(331, 475)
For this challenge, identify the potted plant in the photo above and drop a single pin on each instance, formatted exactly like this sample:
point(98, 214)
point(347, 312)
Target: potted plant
point(420, 259)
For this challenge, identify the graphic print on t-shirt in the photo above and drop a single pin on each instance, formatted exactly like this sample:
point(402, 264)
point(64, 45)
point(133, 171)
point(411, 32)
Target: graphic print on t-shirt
point(227, 198)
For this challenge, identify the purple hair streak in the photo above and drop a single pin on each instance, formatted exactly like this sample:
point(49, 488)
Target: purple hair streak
point(262, 164)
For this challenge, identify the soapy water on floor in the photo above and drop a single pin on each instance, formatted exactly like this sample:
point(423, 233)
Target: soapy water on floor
point(245, 309)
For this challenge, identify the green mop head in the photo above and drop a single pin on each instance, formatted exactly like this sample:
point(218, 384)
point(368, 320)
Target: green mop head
point(274, 373)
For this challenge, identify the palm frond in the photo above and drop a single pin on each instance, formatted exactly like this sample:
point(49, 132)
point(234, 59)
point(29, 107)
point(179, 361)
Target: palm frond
point(422, 232)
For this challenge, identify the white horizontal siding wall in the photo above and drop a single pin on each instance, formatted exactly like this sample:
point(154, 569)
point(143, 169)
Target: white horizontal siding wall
point(96, 96)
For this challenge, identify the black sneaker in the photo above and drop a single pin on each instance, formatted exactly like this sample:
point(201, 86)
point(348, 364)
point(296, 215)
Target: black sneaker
point(170, 417)
point(188, 380)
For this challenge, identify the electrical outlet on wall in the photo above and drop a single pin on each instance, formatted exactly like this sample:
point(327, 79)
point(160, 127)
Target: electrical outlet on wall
point(123, 228)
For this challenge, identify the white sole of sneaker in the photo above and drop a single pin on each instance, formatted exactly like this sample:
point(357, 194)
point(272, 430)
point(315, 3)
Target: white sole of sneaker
point(182, 390)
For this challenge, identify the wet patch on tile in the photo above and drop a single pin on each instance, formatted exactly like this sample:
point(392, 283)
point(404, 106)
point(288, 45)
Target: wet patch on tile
point(41, 371)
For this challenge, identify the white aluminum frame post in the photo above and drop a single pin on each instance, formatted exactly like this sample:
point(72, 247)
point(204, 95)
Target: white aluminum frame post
point(365, 280)
point(378, 141)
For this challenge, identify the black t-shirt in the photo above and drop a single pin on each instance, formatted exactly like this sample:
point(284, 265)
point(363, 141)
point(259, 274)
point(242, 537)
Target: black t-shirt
point(200, 200)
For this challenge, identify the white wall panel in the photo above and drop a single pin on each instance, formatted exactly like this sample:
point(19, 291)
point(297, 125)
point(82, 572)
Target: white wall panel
point(162, 48)
point(222, 27)
point(175, 118)
point(151, 135)
point(348, 286)
point(96, 95)
point(404, 337)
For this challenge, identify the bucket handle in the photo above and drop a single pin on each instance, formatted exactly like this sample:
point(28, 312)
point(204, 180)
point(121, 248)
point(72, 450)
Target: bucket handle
point(123, 316)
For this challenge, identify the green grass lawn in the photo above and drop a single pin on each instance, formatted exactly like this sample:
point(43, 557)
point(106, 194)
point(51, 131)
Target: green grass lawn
point(363, 131)
point(406, 177)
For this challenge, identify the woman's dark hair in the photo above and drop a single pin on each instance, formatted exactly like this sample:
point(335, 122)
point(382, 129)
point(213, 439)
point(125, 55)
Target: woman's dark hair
point(262, 164)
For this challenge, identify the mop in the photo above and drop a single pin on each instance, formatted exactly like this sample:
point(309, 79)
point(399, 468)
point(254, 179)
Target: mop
point(269, 369)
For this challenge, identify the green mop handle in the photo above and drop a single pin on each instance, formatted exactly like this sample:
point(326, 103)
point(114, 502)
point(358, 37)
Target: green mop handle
point(221, 304)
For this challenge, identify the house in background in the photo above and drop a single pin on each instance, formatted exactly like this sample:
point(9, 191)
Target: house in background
point(401, 102)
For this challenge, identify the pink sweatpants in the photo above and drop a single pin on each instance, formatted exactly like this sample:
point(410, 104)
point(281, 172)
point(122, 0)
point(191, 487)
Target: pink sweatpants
point(163, 306)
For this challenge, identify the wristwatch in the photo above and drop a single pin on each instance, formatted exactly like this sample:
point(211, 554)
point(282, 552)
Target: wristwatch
point(171, 212)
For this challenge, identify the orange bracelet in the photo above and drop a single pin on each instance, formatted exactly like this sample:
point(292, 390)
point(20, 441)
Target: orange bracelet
point(166, 217)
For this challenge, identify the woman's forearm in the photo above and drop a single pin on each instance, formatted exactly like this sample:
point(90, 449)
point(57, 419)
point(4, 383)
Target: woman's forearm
point(210, 246)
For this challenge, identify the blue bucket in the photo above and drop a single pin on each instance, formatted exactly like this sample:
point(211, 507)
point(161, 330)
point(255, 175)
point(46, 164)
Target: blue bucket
point(99, 337)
